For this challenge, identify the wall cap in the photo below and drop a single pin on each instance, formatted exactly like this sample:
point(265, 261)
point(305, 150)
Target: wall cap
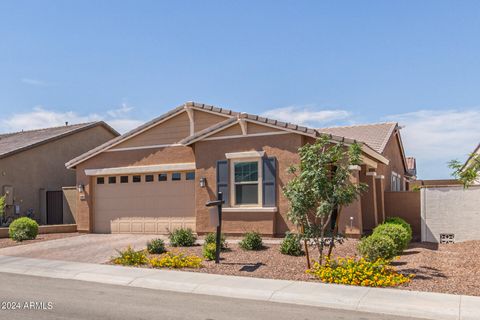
point(354, 168)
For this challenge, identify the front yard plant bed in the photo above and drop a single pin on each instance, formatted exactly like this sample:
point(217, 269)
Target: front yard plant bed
point(449, 268)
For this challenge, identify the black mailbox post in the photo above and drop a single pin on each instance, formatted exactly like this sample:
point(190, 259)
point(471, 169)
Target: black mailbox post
point(218, 203)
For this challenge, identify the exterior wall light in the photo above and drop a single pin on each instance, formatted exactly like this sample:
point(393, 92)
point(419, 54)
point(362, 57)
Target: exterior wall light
point(81, 188)
point(203, 182)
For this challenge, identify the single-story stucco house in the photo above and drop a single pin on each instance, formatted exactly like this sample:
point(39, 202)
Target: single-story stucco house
point(32, 167)
point(159, 176)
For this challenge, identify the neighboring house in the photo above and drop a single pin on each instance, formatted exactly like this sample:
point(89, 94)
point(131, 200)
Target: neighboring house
point(159, 176)
point(32, 167)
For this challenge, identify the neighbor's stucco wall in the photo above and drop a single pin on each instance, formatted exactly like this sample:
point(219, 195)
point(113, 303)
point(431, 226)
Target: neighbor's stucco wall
point(84, 211)
point(451, 209)
point(40, 169)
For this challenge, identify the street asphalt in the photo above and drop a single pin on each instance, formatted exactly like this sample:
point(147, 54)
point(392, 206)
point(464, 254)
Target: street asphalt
point(29, 297)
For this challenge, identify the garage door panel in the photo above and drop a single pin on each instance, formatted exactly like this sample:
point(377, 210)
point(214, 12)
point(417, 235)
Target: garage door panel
point(145, 207)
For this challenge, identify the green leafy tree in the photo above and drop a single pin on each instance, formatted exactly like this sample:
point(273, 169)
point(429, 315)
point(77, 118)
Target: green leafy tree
point(466, 174)
point(321, 187)
point(2, 206)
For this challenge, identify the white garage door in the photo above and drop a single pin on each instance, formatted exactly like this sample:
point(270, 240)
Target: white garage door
point(147, 203)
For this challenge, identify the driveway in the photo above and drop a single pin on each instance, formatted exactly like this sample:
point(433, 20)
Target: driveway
point(93, 248)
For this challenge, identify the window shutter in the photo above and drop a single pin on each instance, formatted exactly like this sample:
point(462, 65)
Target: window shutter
point(269, 190)
point(222, 180)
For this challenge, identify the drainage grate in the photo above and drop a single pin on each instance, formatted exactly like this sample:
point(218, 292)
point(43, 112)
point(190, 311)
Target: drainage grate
point(447, 238)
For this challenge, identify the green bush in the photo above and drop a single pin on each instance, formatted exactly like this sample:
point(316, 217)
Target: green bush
point(182, 238)
point(23, 229)
point(403, 223)
point(130, 257)
point(291, 245)
point(212, 238)
point(156, 246)
point(251, 241)
point(377, 246)
point(397, 233)
point(209, 251)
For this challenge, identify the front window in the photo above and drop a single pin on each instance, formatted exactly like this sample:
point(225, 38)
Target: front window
point(246, 182)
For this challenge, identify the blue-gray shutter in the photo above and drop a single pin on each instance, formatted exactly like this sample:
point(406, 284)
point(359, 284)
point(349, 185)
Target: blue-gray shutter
point(222, 180)
point(269, 182)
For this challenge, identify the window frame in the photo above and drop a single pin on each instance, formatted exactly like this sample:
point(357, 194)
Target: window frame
point(100, 180)
point(176, 172)
point(233, 198)
point(190, 172)
point(151, 176)
point(112, 178)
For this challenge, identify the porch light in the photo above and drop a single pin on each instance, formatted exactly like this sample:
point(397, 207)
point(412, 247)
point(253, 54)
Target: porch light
point(203, 182)
point(81, 188)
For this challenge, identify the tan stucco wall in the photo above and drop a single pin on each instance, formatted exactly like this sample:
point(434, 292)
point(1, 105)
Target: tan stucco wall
point(393, 154)
point(69, 204)
point(204, 119)
point(208, 152)
point(40, 169)
point(122, 159)
point(405, 205)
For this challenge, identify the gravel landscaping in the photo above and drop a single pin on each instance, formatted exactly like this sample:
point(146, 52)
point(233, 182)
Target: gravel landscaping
point(449, 268)
point(7, 242)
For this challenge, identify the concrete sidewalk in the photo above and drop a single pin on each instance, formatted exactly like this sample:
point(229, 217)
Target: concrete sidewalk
point(381, 301)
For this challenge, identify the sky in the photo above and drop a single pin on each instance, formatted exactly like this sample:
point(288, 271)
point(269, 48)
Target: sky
point(316, 63)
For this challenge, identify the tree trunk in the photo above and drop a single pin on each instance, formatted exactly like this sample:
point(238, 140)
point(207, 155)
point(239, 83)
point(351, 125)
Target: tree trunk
point(305, 242)
point(334, 233)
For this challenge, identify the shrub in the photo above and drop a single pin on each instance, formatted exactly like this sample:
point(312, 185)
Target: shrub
point(212, 238)
point(396, 232)
point(130, 257)
point(291, 245)
point(377, 246)
point(23, 229)
point(251, 241)
point(403, 223)
point(156, 246)
point(377, 273)
point(176, 260)
point(209, 251)
point(182, 238)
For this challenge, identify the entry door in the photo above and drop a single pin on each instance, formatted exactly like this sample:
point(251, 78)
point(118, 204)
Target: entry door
point(54, 207)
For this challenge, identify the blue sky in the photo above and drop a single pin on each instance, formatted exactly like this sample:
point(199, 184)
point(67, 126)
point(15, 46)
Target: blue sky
point(315, 62)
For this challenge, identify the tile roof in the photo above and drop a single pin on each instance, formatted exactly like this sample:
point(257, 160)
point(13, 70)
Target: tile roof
point(11, 143)
point(374, 135)
point(227, 112)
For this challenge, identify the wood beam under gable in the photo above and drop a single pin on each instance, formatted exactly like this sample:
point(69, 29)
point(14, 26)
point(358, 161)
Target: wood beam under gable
point(243, 126)
point(191, 117)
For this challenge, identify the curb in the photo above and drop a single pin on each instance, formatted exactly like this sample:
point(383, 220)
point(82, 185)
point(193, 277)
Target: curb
point(395, 302)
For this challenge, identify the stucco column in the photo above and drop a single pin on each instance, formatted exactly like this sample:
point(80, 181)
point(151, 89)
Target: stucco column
point(350, 222)
point(380, 186)
point(369, 200)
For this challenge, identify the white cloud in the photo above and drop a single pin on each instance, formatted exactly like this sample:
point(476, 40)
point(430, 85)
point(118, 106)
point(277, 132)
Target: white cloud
point(436, 137)
point(41, 117)
point(307, 115)
point(35, 82)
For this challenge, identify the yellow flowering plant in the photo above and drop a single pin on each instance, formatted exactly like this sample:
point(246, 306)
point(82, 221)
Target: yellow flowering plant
point(350, 271)
point(130, 257)
point(176, 260)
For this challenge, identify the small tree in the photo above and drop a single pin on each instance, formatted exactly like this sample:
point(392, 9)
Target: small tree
point(321, 187)
point(467, 174)
point(2, 206)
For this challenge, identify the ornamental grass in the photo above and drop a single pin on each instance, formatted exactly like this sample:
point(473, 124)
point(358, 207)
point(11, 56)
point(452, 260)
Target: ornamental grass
point(350, 271)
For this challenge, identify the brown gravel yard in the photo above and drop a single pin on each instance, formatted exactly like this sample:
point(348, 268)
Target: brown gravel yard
point(452, 268)
point(6, 242)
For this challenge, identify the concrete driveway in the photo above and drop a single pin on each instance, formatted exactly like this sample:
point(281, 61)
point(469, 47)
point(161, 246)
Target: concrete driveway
point(93, 248)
